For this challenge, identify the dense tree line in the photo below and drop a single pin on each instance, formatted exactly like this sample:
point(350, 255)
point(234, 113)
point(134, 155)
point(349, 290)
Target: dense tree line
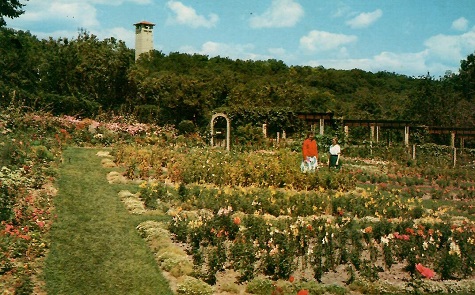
point(87, 76)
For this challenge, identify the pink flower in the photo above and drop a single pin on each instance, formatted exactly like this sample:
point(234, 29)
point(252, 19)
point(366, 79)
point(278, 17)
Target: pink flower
point(40, 223)
point(401, 237)
point(425, 271)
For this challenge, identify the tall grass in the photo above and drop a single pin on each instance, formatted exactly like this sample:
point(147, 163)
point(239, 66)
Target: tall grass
point(95, 246)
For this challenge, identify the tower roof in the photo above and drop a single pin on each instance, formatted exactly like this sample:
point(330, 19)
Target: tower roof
point(144, 23)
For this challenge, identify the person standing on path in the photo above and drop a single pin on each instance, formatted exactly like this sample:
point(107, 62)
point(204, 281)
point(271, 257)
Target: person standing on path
point(334, 154)
point(309, 154)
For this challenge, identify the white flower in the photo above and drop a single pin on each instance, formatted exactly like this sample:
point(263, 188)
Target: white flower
point(425, 245)
point(274, 250)
point(454, 249)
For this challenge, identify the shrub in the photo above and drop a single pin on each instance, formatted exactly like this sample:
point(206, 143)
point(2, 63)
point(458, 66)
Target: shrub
point(42, 153)
point(194, 286)
point(260, 286)
point(186, 127)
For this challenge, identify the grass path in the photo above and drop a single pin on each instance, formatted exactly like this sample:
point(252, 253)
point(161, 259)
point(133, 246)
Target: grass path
point(95, 247)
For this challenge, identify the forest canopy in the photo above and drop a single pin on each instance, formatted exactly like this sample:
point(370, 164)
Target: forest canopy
point(87, 76)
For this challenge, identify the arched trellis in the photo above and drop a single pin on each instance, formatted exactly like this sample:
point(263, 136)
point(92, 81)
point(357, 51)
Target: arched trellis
point(228, 129)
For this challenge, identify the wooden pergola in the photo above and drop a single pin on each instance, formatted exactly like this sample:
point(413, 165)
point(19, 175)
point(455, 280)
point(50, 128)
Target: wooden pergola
point(313, 119)
point(375, 126)
point(454, 132)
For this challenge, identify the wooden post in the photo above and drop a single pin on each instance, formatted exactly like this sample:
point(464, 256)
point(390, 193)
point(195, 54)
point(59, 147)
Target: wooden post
point(452, 139)
point(228, 134)
point(413, 151)
point(322, 126)
point(406, 135)
point(371, 132)
point(455, 156)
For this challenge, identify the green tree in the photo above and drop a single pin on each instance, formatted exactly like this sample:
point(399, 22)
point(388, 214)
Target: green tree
point(91, 71)
point(19, 65)
point(467, 77)
point(10, 9)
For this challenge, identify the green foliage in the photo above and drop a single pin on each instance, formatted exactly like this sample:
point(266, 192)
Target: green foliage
point(7, 202)
point(279, 168)
point(11, 9)
point(243, 254)
point(249, 135)
point(193, 286)
point(186, 127)
point(88, 76)
point(25, 285)
point(467, 77)
point(260, 286)
point(151, 194)
point(42, 153)
point(69, 104)
point(147, 113)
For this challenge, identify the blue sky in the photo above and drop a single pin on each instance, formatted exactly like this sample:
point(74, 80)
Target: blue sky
point(409, 37)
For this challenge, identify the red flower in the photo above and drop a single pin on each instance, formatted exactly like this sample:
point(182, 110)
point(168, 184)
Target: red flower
point(302, 292)
point(291, 279)
point(40, 223)
point(278, 290)
point(237, 220)
point(425, 271)
point(309, 227)
point(401, 237)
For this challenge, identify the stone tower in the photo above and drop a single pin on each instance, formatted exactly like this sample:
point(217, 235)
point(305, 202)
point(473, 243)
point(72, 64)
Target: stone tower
point(143, 38)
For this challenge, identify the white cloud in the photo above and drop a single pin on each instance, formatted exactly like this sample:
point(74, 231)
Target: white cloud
point(318, 41)
point(278, 52)
point(365, 19)
point(80, 14)
point(118, 2)
point(386, 61)
point(187, 15)
point(70, 13)
point(112, 2)
point(451, 47)
point(342, 10)
point(460, 24)
point(125, 34)
point(232, 51)
point(281, 13)
point(442, 53)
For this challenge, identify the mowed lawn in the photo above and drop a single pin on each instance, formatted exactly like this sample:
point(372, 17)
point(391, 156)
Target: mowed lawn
point(95, 248)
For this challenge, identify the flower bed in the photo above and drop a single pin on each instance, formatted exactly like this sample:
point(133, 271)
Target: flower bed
point(30, 150)
point(368, 232)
